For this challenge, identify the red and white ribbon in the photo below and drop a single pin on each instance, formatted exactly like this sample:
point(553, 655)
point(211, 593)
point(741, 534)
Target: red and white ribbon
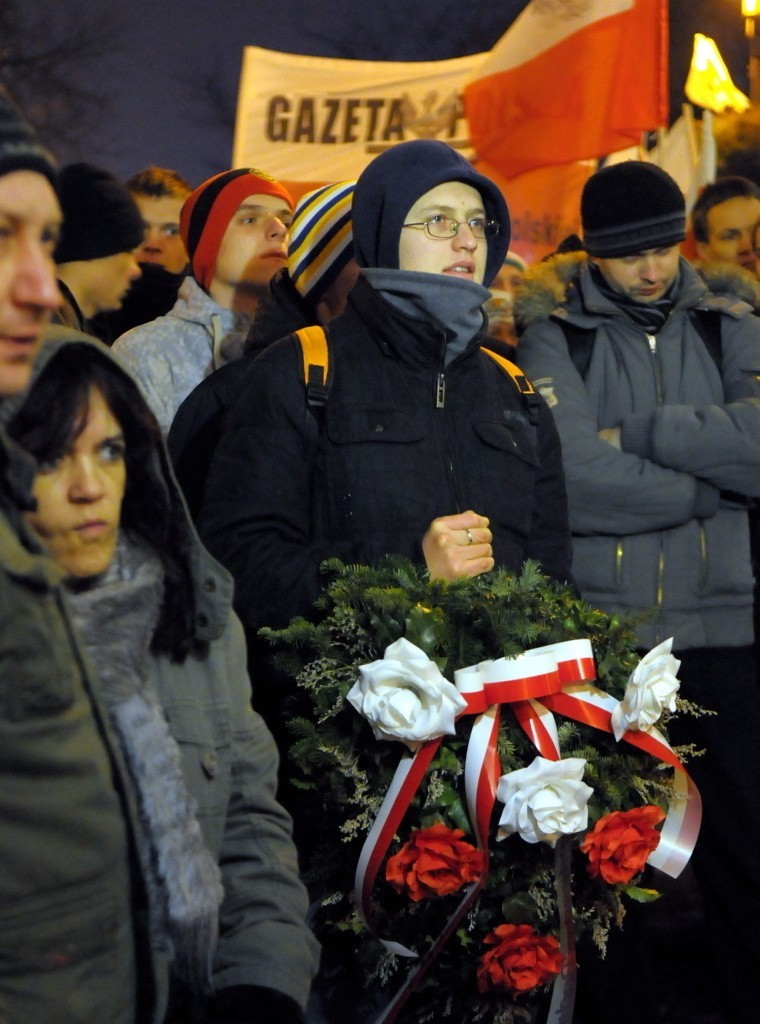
point(542, 681)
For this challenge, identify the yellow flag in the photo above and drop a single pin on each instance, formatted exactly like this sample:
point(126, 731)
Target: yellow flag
point(709, 84)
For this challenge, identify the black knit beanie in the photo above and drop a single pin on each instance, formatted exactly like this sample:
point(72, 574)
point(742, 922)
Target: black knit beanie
point(19, 147)
point(630, 207)
point(100, 217)
point(393, 182)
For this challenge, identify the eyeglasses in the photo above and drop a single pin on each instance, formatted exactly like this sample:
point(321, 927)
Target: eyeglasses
point(440, 226)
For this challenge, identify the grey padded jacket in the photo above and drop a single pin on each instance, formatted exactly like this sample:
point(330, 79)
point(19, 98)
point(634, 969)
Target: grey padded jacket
point(653, 526)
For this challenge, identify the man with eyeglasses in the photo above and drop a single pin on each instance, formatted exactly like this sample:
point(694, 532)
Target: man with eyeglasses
point(425, 446)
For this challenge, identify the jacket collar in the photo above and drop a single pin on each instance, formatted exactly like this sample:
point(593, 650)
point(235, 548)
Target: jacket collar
point(419, 343)
point(562, 287)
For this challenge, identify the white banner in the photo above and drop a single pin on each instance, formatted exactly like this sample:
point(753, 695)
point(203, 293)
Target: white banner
point(321, 119)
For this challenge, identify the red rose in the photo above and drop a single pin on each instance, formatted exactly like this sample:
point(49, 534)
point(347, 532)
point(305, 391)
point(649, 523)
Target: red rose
point(619, 844)
point(435, 862)
point(520, 960)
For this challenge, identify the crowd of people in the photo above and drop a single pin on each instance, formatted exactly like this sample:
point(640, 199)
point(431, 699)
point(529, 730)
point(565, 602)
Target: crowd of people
point(176, 466)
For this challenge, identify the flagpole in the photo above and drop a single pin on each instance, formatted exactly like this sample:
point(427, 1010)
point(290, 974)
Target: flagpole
point(750, 10)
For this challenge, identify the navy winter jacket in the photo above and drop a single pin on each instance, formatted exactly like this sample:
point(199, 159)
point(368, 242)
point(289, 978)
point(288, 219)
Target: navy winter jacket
point(401, 442)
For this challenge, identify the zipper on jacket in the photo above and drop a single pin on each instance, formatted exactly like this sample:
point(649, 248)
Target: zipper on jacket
point(702, 555)
point(652, 339)
point(619, 561)
point(440, 391)
point(660, 586)
point(440, 403)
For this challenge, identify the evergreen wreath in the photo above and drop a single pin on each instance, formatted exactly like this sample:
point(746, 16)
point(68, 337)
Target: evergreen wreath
point(499, 963)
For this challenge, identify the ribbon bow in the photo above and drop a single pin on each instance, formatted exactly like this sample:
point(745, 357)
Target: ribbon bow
point(557, 678)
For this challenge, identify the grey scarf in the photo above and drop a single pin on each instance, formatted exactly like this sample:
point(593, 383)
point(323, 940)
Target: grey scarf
point(454, 303)
point(116, 617)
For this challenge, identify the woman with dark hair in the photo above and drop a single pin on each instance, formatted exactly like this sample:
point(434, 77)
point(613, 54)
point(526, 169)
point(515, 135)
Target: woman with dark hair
point(153, 610)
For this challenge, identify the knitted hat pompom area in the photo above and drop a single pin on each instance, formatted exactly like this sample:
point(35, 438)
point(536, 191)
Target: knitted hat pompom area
point(631, 207)
point(208, 210)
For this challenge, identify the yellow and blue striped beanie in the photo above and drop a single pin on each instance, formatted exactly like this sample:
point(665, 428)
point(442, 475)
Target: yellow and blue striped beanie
point(321, 238)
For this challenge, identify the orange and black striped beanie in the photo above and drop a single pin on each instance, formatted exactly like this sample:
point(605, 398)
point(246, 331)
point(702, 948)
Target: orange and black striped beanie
point(208, 210)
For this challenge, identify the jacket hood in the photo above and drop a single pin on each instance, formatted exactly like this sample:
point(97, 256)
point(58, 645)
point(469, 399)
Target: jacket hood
point(730, 279)
point(559, 286)
point(196, 306)
point(392, 183)
point(212, 583)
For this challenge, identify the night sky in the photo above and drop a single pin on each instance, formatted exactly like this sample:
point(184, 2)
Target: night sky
point(169, 93)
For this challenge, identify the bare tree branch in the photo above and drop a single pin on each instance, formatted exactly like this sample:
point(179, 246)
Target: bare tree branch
point(48, 80)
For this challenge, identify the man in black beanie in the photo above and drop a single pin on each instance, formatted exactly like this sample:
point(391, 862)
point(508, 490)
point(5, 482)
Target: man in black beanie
point(70, 942)
point(102, 226)
point(654, 383)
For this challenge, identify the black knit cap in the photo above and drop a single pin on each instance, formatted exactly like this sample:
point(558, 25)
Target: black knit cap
point(393, 182)
point(20, 149)
point(100, 217)
point(630, 207)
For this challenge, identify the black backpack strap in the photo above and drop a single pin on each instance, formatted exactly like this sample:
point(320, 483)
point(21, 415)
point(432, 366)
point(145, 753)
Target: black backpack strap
point(580, 345)
point(580, 340)
point(707, 323)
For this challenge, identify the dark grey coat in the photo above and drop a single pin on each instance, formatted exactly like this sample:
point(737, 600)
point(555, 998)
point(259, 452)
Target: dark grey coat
point(652, 525)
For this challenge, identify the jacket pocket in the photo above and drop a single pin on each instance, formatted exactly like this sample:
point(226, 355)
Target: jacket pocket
point(510, 438)
point(380, 425)
point(204, 738)
point(380, 473)
point(506, 465)
point(599, 564)
point(724, 558)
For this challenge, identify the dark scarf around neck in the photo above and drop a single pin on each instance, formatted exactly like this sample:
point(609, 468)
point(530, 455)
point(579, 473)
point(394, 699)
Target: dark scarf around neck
point(650, 316)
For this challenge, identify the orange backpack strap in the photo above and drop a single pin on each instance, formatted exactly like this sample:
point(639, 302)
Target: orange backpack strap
point(316, 364)
point(521, 382)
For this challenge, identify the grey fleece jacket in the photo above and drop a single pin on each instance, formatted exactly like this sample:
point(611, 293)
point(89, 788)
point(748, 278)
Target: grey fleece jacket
point(171, 355)
point(651, 526)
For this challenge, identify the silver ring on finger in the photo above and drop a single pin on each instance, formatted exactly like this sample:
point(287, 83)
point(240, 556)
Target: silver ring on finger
point(469, 536)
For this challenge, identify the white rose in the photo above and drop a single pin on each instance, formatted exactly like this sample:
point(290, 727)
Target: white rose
point(544, 801)
point(652, 687)
point(405, 697)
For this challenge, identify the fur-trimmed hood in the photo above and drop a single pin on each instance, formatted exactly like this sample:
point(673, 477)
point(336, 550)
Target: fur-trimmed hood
point(554, 283)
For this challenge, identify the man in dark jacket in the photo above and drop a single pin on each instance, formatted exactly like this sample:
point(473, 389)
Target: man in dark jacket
point(425, 447)
point(68, 949)
point(660, 429)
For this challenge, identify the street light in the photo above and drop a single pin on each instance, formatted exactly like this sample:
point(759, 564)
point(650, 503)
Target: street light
point(751, 10)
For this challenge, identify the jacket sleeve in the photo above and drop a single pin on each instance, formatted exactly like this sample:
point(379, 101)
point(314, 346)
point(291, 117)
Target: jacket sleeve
point(550, 542)
point(609, 491)
point(718, 442)
point(263, 937)
point(256, 514)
